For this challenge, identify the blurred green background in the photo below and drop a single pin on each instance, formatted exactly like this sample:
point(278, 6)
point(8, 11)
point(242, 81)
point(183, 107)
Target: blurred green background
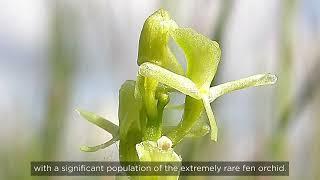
point(56, 56)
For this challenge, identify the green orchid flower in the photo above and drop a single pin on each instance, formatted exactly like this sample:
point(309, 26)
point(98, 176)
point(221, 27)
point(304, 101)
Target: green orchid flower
point(187, 87)
point(203, 56)
point(141, 133)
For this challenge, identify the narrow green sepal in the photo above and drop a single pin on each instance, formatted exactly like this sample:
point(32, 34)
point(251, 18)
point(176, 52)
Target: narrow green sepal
point(251, 81)
point(212, 120)
point(100, 122)
point(100, 146)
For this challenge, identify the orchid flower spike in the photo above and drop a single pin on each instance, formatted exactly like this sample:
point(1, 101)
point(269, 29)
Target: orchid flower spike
point(203, 56)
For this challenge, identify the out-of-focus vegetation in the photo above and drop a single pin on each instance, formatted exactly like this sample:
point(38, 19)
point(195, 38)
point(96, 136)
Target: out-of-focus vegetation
point(59, 55)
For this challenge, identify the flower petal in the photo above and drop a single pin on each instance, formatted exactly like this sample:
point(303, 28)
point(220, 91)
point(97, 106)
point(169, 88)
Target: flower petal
point(256, 80)
point(202, 54)
point(170, 79)
point(98, 147)
point(212, 120)
point(100, 121)
point(153, 43)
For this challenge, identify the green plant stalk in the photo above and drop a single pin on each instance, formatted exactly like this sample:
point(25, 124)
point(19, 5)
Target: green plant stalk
point(62, 64)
